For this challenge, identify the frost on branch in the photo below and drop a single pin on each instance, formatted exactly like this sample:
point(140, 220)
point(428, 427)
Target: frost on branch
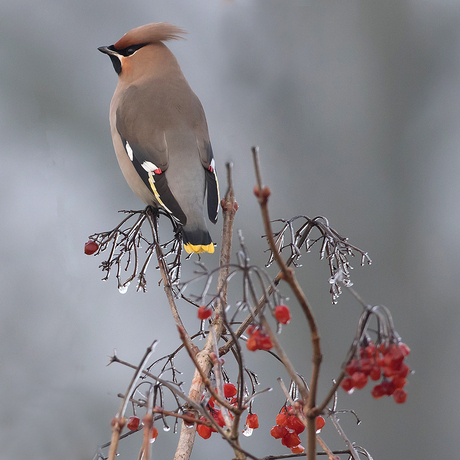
point(334, 248)
point(258, 289)
point(125, 245)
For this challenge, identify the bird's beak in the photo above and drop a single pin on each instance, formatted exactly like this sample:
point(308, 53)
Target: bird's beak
point(107, 50)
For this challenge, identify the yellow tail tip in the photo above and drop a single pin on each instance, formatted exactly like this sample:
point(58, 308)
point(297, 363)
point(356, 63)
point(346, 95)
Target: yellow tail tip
point(199, 248)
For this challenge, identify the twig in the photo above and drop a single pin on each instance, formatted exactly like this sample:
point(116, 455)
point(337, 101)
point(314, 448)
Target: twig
point(162, 382)
point(165, 276)
point(119, 421)
point(148, 424)
point(349, 444)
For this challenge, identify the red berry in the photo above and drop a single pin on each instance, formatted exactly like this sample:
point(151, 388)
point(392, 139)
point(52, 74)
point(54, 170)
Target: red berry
point(133, 423)
point(399, 382)
point(265, 342)
point(204, 312)
point(403, 371)
point(347, 384)
point(219, 418)
point(394, 358)
point(259, 341)
point(295, 424)
point(366, 365)
point(279, 431)
point(282, 314)
point(229, 390)
point(91, 247)
point(154, 432)
point(400, 396)
point(352, 367)
point(375, 373)
point(389, 387)
point(281, 419)
point(384, 349)
point(252, 421)
point(378, 391)
point(359, 380)
point(251, 343)
point(203, 430)
point(370, 350)
point(290, 440)
point(298, 449)
point(320, 422)
point(404, 348)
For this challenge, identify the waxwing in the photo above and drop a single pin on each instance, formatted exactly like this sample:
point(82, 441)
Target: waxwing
point(160, 134)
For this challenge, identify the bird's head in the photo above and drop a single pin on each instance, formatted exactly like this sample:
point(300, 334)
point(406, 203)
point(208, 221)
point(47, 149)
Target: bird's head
point(141, 48)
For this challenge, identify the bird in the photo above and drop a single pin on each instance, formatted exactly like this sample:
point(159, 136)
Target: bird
point(160, 133)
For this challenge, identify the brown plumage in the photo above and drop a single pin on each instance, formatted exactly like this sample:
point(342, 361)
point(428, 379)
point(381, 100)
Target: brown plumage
point(150, 33)
point(160, 134)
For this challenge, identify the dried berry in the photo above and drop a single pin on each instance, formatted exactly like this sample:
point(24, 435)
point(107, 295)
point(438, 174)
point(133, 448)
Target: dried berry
point(91, 247)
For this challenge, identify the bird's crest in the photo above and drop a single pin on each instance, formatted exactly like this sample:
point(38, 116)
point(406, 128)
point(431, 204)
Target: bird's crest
point(150, 33)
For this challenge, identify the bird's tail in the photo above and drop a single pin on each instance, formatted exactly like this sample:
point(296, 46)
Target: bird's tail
point(197, 241)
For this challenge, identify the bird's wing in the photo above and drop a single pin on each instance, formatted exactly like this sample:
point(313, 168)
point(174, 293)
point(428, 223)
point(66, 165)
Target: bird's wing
point(207, 160)
point(150, 159)
point(212, 185)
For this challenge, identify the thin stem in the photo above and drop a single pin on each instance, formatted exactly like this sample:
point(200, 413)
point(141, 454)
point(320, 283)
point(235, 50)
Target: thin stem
point(162, 382)
point(349, 444)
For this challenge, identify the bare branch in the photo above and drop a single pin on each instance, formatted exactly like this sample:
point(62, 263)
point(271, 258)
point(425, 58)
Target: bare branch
point(262, 194)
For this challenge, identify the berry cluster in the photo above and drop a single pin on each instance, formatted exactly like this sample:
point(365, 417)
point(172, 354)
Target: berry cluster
point(230, 391)
point(258, 339)
point(288, 427)
point(375, 362)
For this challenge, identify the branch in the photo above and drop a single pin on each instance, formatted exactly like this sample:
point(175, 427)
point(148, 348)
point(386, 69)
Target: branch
point(165, 276)
point(204, 377)
point(229, 208)
point(262, 194)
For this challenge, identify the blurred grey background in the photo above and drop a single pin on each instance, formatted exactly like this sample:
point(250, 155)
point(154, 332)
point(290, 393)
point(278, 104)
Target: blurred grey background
point(356, 108)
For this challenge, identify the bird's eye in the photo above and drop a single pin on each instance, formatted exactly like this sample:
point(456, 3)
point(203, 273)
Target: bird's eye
point(130, 50)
